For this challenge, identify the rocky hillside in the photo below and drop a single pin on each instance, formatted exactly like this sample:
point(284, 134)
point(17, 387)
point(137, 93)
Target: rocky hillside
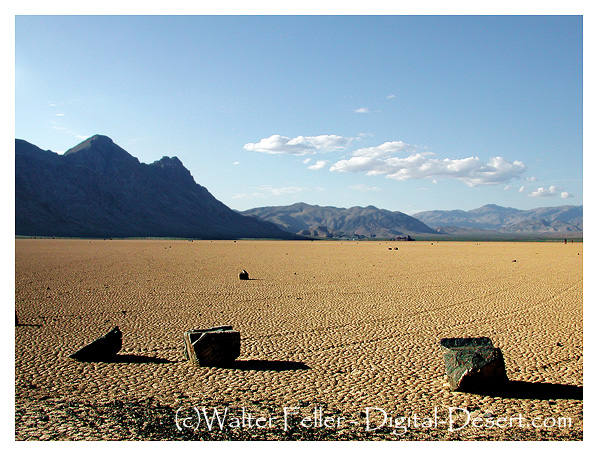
point(331, 222)
point(506, 220)
point(97, 189)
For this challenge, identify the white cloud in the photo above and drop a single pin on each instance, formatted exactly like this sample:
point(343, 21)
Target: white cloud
point(389, 97)
point(566, 195)
point(363, 110)
point(532, 179)
point(365, 188)
point(385, 149)
point(393, 159)
point(319, 165)
point(522, 189)
point(508, 187)
point(383, 160)
point(235, 163)
point(551, 191)
point(301, 145)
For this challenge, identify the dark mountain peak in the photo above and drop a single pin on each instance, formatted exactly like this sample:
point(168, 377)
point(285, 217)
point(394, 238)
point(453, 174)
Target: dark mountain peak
point(169, 162)
point(101, 154)
point(93, 143)
point(171, 168)
point(97, 189)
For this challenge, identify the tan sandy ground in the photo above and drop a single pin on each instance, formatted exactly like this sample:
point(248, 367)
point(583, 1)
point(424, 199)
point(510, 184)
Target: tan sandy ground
point(341, 326)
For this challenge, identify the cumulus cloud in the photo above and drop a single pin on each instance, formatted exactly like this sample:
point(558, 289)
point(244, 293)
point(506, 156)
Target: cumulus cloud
point(389, 97)
point(300, 145)
point(319, 165)
point(383, 160)
point(393, 159)
point(385, 149)
point(542, 192)
point(551, 191)
point(363, 110)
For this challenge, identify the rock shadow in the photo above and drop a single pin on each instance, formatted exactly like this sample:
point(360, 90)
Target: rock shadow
point(268, 365)
point(531, 391)
point(127, 358)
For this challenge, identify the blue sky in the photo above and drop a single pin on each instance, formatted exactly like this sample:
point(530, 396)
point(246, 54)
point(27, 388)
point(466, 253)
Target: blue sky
point(406, 113)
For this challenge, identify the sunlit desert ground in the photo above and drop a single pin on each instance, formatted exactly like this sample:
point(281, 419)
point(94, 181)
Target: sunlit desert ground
point(337, 327)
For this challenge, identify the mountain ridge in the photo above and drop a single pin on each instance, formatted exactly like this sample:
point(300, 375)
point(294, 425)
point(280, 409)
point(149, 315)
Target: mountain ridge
point(552, 219)
point(97, 189)
point(372, 222)
point(331, 222)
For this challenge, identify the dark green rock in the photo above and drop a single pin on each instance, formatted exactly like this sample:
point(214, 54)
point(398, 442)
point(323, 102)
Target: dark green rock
point(473, 363)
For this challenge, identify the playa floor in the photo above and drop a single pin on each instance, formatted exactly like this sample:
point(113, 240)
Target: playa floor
point(339, 340)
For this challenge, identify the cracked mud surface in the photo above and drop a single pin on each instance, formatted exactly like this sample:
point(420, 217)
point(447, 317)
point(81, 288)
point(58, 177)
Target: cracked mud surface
point(332, 329)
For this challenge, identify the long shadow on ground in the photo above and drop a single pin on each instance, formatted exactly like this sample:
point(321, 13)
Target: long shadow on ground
point(532, 390)
point(127, 358)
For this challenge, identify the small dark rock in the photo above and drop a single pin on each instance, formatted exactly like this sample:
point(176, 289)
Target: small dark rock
point(244, 275)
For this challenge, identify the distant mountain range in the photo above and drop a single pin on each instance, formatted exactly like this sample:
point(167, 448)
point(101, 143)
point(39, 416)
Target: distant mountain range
point(371, 222)
point(505, 220)
point(97, 189)
point(331, 222)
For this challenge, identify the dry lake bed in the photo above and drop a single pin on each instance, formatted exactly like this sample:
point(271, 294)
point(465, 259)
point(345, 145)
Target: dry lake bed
point(339, 339)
